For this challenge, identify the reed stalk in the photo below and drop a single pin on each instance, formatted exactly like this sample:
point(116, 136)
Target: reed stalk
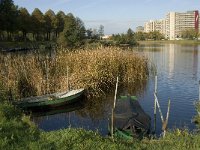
point(93, 69)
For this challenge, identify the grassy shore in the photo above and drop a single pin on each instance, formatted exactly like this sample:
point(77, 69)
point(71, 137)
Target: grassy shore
point(186, 42)
point(94, 69)
point(18, 132)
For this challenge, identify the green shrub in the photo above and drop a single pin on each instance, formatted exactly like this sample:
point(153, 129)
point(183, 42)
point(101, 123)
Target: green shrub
point(17, 131)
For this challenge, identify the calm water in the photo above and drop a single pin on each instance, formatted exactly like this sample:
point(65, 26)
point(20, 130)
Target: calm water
point(178, 73)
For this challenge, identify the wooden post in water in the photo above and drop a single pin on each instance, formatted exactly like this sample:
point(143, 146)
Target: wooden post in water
point(47, 77)
point(161, 115)
point(115, 93)
point(155, 91)
point(199, 90)
point(112, 122)
point(168, 109)
point(155, 94)
point(164, 126)
point(112, 117)
point(68, 78)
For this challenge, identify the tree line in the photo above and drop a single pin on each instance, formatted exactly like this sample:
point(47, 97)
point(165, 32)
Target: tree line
point(131, 37)
point(16, 24)
point(190, 34)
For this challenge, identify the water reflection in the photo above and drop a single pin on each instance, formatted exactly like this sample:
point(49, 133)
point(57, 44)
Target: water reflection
point(178, 75)
point(171, 59)
point(93, 116)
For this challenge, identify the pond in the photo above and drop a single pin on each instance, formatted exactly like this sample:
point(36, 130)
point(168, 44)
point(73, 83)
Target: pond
point(178, 73)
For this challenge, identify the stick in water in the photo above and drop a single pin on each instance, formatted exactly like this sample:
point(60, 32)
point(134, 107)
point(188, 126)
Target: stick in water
point(112, 117)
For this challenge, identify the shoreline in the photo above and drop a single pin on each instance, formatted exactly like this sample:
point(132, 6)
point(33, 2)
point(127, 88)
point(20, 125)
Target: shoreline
point(187, 42)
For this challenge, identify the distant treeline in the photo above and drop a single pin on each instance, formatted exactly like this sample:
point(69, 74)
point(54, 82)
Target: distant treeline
point(16, 24)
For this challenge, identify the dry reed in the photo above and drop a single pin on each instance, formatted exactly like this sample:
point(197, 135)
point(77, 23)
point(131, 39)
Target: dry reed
point(95, 70)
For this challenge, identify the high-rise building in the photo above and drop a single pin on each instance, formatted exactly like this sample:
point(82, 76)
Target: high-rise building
point(149, 26)
point(174, 23)
point(178, 22)
point(155, 25)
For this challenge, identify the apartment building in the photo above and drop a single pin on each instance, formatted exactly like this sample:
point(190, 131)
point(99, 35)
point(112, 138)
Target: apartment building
point(155, 25)
point(178, 22)
point(174, 23)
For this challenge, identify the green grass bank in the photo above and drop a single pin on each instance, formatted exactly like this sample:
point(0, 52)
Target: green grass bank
point(18, 132)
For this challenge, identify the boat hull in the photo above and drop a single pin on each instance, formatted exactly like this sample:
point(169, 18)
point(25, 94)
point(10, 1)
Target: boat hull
point(51, 102)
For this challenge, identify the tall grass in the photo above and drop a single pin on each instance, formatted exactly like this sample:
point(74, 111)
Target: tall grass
point(94, 69)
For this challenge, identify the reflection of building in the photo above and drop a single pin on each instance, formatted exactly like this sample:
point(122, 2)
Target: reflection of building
point(195, 62)
point(174, 24)
point(140, 29)
point(171, 59)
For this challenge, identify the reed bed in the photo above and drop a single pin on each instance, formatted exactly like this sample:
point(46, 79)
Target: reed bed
point(93, 69)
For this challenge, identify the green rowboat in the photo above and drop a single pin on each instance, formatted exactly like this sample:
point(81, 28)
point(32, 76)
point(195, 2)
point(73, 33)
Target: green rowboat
point(51, 100)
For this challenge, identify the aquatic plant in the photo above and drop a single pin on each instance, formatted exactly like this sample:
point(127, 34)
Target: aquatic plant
point(94, 69)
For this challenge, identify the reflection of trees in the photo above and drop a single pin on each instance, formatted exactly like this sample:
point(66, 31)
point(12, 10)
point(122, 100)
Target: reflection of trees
point(96, 108)
point(135, 88)
point(99, 108)
point(38, 120)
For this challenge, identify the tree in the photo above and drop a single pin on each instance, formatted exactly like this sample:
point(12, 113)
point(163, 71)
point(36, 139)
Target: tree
point(101, 31)
point(130, 33)
point(58, 23)
point(155, 35)
point(8, 17)
point(189, 34)
point(48, 25)
point(37, 23)
point(24, 21)
point(140, 36)
point(128, 38)
point(89, 33)
point(73, 34)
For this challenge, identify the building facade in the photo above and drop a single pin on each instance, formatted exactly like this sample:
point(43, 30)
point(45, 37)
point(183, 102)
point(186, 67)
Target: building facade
point(174, 23)
point(155, 25)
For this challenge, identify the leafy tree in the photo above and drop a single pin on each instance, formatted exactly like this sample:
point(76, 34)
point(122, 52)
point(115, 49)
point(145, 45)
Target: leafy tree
point(155, 35)
point(8, 17)
point(59, 22)
point(128, 38)
point(89, 33)
point(140, 36)
point(101, 31)
point(130, 33)
point(48, 25)
point(37, 23)
point(24, 21)
point(189, 34)
point(73, 34)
